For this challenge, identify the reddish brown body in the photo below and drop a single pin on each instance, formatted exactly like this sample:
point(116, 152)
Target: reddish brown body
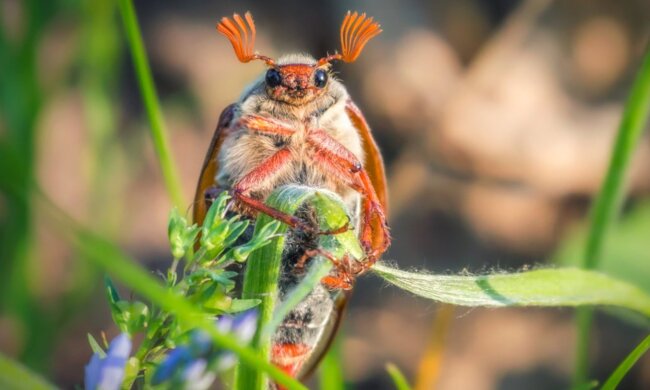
point(298, 125)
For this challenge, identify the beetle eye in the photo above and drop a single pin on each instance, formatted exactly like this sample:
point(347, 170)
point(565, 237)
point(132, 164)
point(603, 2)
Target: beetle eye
point(320, 78)
point(273, 78)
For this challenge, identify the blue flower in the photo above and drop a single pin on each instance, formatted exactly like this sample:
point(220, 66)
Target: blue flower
point(195, 364)
point(107, 373)
point(243, 326)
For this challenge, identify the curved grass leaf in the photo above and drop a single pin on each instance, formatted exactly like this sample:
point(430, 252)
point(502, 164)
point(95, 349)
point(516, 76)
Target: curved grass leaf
point(542, 287)
point(398, 378)
point(151, 103)
point(330, 373)
point(627, 364)
point(14, 375)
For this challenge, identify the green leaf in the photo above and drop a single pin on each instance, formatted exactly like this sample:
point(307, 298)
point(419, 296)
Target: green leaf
point(113, 295)
point(239, 305)
point(261, 238)
point(175, 228)
point(181, 235)
point(131, 317)
point(542, 287)
point(15, 376)
point(398, 378)
point(627, 364)
point(131, 371)
point(319, 268)
point(94, 345)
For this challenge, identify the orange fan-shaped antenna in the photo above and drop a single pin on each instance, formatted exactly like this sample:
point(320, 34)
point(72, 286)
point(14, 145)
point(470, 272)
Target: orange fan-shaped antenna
point(242, 42)
point(356, 31)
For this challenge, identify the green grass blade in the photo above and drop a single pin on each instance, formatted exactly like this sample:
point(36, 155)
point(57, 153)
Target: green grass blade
point(398, 378)
point(625, 366)
point(317, 271)
point(607, 203)
point(543, 287)
point(151, 103)
point(330, 375)
point(15, 376)
point(263, 267)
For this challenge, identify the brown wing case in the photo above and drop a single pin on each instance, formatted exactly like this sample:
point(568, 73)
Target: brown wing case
point(374, 163)
point(210, 166)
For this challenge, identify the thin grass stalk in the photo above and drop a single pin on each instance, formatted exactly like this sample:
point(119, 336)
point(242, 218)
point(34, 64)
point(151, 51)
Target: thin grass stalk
point(608, 201)
point(151, 102)
point(625, 366)
point(330, 373)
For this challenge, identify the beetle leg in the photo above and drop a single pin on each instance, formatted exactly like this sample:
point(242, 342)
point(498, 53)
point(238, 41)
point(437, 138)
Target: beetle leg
point(335, 158)
point(343, 275)
point(261, 174)
point(264, 125)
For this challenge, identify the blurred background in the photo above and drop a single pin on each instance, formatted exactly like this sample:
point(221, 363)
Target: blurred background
point(495, 119)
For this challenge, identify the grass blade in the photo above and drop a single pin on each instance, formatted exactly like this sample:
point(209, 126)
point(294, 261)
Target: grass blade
point(398, 378)
point(543, 287)
point(14, 375)
point(627, 364)
point(151, 103)
point(607, 203)
point(330, 376)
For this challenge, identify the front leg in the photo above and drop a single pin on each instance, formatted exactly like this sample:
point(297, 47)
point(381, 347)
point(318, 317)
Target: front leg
point(268, 170)
point(259, 177)
point(337, 160)
point(265, 125)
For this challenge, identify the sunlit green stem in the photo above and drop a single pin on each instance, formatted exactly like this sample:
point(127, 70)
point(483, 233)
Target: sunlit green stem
point(152, 105)
point(607, 203)
point(626, 364)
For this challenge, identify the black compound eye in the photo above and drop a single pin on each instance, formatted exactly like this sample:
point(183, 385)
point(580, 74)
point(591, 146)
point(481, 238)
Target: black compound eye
point(320, 78)
point(273, 78)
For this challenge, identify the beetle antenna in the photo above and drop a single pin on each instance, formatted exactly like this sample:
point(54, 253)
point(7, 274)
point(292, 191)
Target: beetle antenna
point(242, 42)
point(356, 31)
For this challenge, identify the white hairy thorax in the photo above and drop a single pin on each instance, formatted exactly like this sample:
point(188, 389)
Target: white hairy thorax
point(244, 150)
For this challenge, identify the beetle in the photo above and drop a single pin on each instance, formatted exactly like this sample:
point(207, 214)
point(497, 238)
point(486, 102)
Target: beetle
point(296, 124)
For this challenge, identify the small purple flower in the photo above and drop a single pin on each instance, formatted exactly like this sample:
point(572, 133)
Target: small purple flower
point(107, 373)
point(196, 363)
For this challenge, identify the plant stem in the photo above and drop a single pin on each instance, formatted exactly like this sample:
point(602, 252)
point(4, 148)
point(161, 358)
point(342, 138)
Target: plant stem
point(152, 105)
point(608, 201)
point(627, 364)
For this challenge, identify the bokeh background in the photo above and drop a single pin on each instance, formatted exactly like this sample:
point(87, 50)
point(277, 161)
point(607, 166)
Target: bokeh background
point(495, 119)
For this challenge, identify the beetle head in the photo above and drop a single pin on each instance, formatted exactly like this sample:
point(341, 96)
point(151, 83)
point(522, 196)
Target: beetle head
point(303, 80)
